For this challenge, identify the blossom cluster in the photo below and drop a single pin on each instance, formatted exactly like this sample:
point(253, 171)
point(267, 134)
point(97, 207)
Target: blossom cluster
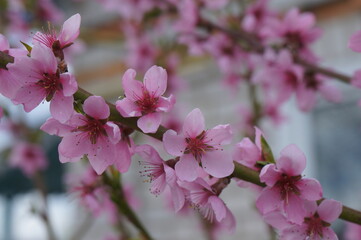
point(200, 162)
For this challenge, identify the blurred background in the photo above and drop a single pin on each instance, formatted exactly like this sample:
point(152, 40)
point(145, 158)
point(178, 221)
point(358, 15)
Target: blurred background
point(329, 135)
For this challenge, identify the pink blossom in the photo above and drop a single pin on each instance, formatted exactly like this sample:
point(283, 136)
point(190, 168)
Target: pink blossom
point(204, 199)
point(40, 79)
point(145, 100)
point(91, 135)
point(257, 17)
point(286, 189)
point(29, 157)
point(197, 146)
point(57, 42)
point(298, 31)
point(315, 223)
point(307, 92)
point(355, 42)
point(1, 112)
point(353, 231)
point(161, 175)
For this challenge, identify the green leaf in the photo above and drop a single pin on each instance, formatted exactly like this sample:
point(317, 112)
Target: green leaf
point(266, 151)
point(27, 46)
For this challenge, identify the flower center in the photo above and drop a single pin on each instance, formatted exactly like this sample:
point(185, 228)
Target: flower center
point(294, 40)
point(51, 84)
point(196, 146)
point(147, 104)
point(287, 185)
point(94, 128)
point(291, 79)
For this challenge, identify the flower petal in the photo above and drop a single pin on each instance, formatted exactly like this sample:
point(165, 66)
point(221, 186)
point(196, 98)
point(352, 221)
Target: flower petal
point(219, 135)
point(155, 81)
point(96, 107)
point(133, 89)
point(268, 200)
point(150, 123)
point(173, 143)
point(30, 96)
point(128, 108)
point(69, 84)
point(218, 207)
point(294, 209)
point(123, 160)
point(310, 189)
point(194, 123)
point(292, 161)
point(329, 210)
point(218, 164)
point(70, 30)
point(61, 107)
point(270, 175)
point(186, 168)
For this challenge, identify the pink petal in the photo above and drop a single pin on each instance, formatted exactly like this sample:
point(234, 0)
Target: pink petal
point(45, 57)
point(276, 220)
point(173, 143)
point(218, 164)
point(150, 123)
point(268, 200)
point(128, 108)
point(178, 198)
point(329, 234)
point(294, 209)
point(310, 189)
point(113, 132)
point(149, 154)
point(8, 84)
point(292, 161)
point(69, 84)
point(294, 233)
point(186, 168)
point(54, 127)
point(28, 74)
point(96, 107)
point(329, 210)
point(61, 107)
point(155, 81)
point(74, 145)
point(133, 89)
point(30, 96)
point(218, 207)
point(219, 135)
point(194, 123)
point(355, 42)
point(98, 164)
point(70, 30)
point(165, 104)
point(270, 175)
point(247, 153)
point(123, 160)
